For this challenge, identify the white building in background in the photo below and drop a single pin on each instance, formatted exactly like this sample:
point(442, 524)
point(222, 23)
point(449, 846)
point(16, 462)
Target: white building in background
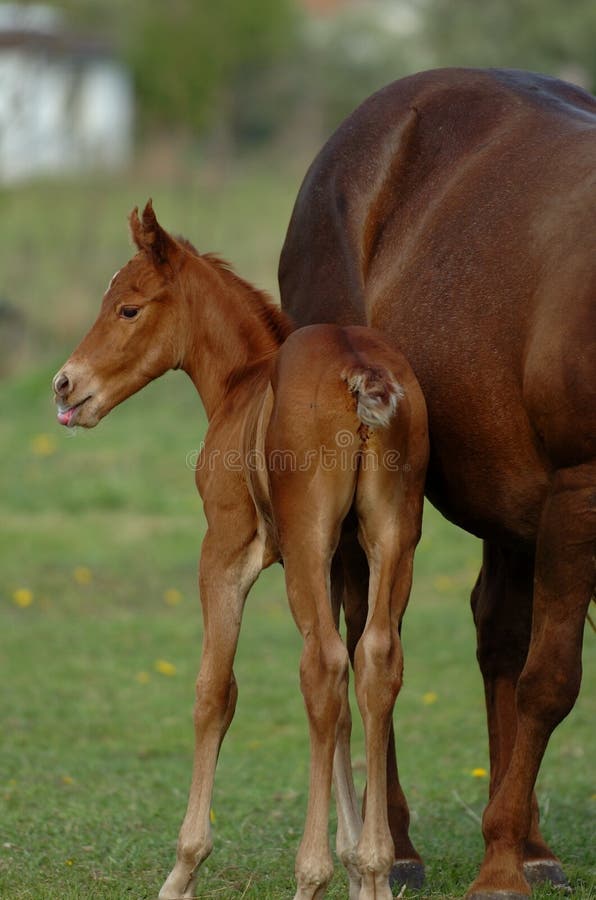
point(66, 104)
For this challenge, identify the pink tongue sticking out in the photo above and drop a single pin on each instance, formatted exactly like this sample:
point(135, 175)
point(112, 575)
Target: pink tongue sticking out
point(65, 415)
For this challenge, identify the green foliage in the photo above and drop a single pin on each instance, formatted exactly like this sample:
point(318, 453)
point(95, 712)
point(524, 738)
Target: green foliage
point(548, 36)
point(185, 55)
point(244, 73)
point(342, 61)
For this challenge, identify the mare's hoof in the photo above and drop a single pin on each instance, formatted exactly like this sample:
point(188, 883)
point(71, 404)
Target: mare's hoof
point(409, 872)
point(540, 871)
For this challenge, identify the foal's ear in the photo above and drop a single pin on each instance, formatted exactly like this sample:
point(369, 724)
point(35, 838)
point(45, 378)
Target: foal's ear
point(150, 237)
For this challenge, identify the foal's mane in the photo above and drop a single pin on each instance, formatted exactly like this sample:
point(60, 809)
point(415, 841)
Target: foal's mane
point(277, 323)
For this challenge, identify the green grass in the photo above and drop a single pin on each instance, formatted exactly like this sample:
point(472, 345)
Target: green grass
point(95, 765)
point(95, 762)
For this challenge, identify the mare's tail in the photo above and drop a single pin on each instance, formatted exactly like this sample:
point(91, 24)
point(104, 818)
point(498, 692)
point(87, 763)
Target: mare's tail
point(377, 393)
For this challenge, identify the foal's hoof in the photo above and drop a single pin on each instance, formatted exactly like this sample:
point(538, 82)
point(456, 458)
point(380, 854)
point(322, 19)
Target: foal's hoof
point(408, 872)
point(550, 871)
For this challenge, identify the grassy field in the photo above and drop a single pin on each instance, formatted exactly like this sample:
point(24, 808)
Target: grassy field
point(100, 623)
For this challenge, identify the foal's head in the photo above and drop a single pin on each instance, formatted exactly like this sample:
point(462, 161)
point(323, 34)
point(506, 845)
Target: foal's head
point(139, 333)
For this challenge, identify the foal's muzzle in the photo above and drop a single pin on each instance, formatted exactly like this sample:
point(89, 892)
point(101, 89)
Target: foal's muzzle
point(66, 400)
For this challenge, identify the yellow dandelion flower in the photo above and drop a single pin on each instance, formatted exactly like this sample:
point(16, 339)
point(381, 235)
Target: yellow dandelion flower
point(164, 667)
point(443, 583)
point(82, 575)
point(275, 611)
point(212, 816)
point(479, 772)
point(429, 698)
point(66, 779)
point(43, 445)
point(172, 597)
point(69, 862)
point(23, 597)
point(143, 677)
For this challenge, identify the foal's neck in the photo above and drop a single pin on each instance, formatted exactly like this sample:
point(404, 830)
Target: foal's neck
point(234, 327)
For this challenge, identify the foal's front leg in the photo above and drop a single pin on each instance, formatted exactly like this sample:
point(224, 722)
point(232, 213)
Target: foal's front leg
point(226, 576)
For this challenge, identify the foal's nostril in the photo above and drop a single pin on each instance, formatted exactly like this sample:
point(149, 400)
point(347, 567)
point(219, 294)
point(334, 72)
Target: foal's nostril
point(61, 383)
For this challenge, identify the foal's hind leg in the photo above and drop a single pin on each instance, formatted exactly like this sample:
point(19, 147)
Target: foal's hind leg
point(309, 512)
point(502, 607)
point(389, 518)
point(408, 867)
point(349, 818)
point(324, 682)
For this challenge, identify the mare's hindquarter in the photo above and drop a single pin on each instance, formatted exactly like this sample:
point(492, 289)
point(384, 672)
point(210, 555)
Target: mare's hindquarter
point(455, 212)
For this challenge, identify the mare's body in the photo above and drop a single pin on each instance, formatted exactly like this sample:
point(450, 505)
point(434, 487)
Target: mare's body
point(314, 436)
point(455, 211)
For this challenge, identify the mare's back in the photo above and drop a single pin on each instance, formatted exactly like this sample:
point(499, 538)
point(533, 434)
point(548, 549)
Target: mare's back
point(442, 160)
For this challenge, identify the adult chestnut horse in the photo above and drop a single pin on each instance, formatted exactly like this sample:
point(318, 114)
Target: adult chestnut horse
point(455, 211)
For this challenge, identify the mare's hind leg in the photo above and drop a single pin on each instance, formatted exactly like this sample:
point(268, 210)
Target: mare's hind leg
point(502, 607)
point(408, 867)
point(549, 682)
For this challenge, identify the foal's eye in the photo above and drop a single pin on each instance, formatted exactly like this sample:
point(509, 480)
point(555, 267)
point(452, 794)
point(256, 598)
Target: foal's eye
point(129, 312)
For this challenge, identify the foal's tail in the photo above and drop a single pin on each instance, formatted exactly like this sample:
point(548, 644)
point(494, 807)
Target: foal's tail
point(377, 393)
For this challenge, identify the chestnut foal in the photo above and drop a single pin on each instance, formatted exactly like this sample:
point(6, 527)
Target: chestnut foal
point(329, 425)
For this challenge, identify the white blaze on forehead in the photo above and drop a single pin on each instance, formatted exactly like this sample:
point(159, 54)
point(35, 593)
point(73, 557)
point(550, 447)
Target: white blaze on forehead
point(113, 279)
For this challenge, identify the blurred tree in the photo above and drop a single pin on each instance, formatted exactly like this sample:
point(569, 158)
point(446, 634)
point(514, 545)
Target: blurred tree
point(245, 71)
point(185, 54)
point(551, 36)
point(340, 60)
point(357, 53)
